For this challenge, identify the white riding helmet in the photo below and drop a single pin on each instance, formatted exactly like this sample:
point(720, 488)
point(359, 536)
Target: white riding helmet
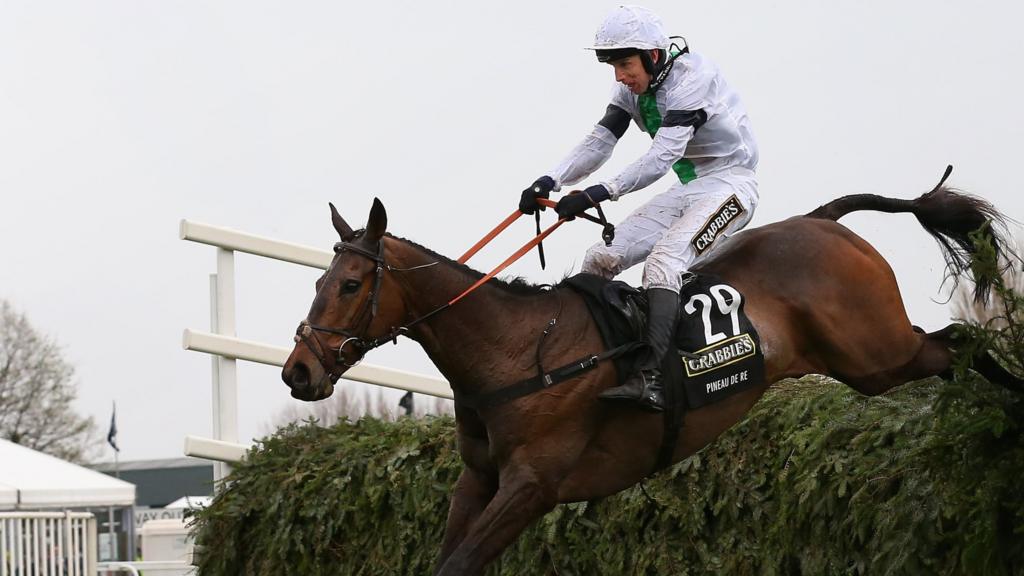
point(630, 27)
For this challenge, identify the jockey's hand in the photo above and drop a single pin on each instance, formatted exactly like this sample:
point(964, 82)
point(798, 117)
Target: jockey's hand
point(541, 188)
point(578, 201)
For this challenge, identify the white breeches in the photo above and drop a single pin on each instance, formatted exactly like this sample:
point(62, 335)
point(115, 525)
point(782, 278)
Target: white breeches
point(676, 228)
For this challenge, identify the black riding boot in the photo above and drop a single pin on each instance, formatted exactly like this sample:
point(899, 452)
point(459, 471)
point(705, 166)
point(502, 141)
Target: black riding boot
point(644, 387)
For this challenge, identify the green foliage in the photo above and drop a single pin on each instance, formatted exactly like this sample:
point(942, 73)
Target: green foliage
point(998, 327)
point(817, 480)
point(368, 497)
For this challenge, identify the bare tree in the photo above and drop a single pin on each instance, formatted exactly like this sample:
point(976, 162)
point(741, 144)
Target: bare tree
point(37, 392)
point(346, 403)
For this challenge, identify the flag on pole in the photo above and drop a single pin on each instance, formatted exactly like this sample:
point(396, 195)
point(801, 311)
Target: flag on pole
point(112, 434)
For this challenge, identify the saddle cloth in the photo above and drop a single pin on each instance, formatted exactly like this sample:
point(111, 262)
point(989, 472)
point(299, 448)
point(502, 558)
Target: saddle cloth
point(718, 351)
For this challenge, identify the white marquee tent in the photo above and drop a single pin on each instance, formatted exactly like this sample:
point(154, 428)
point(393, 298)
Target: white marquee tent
point(31, 480)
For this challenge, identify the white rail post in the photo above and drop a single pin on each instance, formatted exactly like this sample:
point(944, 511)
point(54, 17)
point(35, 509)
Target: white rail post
point(226, 381)
point(68, 545)
point(18, 550)
point(91, 546)
point(218, 467)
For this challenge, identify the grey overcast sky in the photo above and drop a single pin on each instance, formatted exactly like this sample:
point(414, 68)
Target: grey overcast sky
point(120, 118)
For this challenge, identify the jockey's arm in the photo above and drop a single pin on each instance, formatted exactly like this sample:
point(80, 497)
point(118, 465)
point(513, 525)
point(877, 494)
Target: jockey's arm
point(667, 148)
point(594, 150)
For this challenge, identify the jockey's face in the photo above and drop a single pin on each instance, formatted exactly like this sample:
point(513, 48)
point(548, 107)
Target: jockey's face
point(630, 71)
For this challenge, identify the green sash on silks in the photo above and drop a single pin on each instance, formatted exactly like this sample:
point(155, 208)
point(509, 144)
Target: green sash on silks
point(652, 121)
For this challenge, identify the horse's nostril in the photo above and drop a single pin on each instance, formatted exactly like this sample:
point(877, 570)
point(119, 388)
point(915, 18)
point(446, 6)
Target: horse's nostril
point(298, 376)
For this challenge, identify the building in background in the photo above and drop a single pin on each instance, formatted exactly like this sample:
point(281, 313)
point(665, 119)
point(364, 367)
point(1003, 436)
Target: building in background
point(165, 489)
point(160, 482)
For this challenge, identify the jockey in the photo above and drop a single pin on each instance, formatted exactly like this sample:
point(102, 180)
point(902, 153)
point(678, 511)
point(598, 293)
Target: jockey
point(701, 132)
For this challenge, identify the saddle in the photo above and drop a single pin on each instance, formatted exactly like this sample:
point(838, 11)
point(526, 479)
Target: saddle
point(718, 349)
point(620, 312)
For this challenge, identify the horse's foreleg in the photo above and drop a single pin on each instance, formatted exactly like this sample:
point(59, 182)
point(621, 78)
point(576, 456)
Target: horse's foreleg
point(521, 498)
point(472, 493)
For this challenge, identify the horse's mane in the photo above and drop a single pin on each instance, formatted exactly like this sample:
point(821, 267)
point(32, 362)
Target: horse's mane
point(516, 285)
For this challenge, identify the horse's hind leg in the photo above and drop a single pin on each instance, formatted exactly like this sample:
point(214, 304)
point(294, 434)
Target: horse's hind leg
point(987, 366)
point(982, 363)
point(933, 358)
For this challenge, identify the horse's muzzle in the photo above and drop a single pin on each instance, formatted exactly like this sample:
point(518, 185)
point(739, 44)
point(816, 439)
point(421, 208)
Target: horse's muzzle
point(304, 381)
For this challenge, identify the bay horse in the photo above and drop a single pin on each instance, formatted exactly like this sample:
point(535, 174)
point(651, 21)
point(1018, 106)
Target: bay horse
point(821, 298)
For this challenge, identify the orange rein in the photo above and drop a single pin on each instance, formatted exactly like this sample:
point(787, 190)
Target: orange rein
point(511, 259)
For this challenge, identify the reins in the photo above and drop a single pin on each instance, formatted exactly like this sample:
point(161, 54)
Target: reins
point(306, 331)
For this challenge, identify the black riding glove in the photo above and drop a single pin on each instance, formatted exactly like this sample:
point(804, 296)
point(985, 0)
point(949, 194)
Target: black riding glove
point(576, 202)
point(541, 188)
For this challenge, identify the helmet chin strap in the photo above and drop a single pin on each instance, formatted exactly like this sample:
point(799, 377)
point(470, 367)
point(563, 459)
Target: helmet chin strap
point(668, 57)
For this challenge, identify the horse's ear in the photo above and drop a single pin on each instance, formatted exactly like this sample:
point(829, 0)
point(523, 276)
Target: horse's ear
point(378, 222)
point(342, 227)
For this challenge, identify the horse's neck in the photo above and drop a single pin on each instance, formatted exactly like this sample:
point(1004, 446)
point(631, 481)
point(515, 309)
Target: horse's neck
point(477, 340)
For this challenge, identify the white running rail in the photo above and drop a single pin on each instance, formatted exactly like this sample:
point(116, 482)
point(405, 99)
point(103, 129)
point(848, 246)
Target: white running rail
point(47, 544)
point(226, 348)
point(134, 568)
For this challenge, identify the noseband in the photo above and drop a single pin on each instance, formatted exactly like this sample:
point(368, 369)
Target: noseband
point(307, 332)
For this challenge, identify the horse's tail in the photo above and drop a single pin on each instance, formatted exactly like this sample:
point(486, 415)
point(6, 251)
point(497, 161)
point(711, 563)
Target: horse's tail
point(949, 216)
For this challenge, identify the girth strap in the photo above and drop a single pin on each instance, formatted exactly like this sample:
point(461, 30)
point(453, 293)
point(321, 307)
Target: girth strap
point(541, 381)
point(675, 410)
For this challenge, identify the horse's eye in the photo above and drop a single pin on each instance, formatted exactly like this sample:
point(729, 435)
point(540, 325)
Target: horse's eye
point(350, 286)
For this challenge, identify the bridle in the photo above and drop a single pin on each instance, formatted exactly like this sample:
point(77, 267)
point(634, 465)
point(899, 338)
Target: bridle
point(307, 332)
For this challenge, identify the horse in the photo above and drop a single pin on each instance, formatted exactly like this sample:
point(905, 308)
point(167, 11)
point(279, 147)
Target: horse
point(821, 298)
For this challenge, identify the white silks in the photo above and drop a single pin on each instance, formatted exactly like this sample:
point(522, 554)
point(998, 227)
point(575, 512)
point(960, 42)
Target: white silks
point(713, 160)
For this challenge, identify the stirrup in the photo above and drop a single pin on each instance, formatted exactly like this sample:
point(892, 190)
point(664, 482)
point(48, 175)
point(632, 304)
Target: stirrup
point(642, 388)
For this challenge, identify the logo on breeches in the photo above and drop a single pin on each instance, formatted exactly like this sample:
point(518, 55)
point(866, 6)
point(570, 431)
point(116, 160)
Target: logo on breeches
point(725, 214)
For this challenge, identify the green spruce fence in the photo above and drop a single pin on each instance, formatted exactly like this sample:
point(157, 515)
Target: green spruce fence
point(817, 480)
